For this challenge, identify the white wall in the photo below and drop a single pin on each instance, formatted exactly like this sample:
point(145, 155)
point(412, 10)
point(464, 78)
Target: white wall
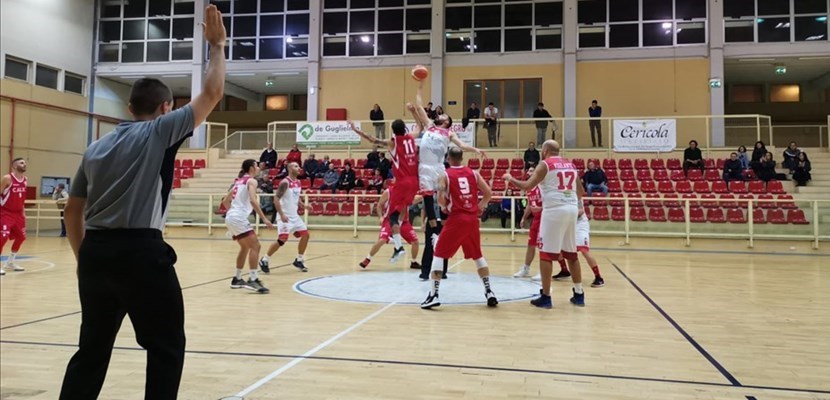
point(111, 98)
point(57, 33)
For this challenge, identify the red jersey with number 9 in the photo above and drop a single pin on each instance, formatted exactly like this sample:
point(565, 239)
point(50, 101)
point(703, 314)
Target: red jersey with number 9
point(559, 186)
point(463, 191)
point(404, 157)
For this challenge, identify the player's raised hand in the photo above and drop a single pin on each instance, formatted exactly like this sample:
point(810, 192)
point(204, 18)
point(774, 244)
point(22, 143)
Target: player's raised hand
point(410, 107)
point(507, 177)
point(213, 27)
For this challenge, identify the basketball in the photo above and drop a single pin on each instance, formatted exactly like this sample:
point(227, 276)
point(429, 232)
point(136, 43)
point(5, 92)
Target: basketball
point(420, 72)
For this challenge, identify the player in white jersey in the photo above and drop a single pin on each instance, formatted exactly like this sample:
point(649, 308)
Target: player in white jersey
point(240, 202)
point(561, 194)
point(287, 203)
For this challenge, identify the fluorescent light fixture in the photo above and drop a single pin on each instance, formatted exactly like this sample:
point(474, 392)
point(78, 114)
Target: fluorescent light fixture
point(132, 77)
point(814, 58)
point(246, 44)
point(242, 74)
point(289, 40)
point(285, 73)
point(759, 20)
point(175, 76)
point(756, 59)
point(817, 37)
point(364, 39)
point(666, 25)
point(821, 19)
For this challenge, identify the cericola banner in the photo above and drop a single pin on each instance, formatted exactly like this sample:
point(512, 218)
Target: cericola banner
point(631, 135)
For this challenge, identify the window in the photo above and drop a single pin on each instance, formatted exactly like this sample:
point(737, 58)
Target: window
point(363, 28)
point(776, 20)
point(46, 76)
point(784, 94)
point(17, 69)
point(515, 98)
point(636, 23)
point(493, 26)
point(73, 83)
point(276, 102)
point(746, 94)
point(147, 30)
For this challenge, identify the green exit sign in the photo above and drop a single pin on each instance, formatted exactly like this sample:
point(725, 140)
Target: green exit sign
point(780, 70)
point(269, 83)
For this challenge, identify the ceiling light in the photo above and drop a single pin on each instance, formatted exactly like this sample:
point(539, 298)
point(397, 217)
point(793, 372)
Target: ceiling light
point(756, 59)
point(246, 44)
point(289, 40)
point(814, 58)
point(364, 39)
point(174, 76)
point(242, 74)
point(759, 20)
point(666, 25)
point(821, 19)
point(285, 73)
point(817, 37)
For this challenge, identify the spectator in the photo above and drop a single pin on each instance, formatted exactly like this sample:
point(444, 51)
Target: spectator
point(766, 171)
point(472, 113)
point(330, 179)
point(310, 167)
point(269, 156)
point(595, 179)
point(373, 159)
point(732, 169)
point(385, 166)
point(595, 111)
point(541, 126)
point(508, 206)
point(430, 111)
point(801, 174)
point(439, 111)
point(531, 156)
point(692, 157)
point(294, 155)
point(282, 171)
point(322, 167)
point(377, 115)
point(376, 181)
point(758, 154)
point(790, 156)
point(743, 158)
point(263, 171)
point(347, 178)
point(491, 122)
point(60, 196)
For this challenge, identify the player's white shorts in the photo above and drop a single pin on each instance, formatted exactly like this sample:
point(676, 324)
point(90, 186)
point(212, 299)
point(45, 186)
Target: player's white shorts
point(237, 225)
point(428, 176)
point(583, 233)
point(557, 232)
point(295, 226)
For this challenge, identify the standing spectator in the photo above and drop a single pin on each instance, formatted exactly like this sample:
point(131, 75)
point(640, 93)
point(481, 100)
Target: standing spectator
point(347, 178)
point(766, 171)
point(269, 156)
point(802, 170)
point(732, 169)
point(377, 115)
point(790, 157)
point(595, 111)
point(692, 157)
point(743, 158)
point(330, 179)
point(758, 154)
point(294, 155)
point(60, 196)
point(472, 113)
point(491, 121)
point(541, 126)
point(531, 156)
point(385, 166)
point(376, 181)
point(430, 111)
point(373, 159)
point(310, 167)
point(595, 179)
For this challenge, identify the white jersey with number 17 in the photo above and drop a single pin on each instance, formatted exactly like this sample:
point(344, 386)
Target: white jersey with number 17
point(559, 186)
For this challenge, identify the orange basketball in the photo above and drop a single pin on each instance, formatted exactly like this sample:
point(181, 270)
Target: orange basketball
point(420, 72)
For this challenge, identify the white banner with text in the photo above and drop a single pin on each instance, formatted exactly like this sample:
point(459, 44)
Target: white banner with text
point(645, 135)
point(326, 132)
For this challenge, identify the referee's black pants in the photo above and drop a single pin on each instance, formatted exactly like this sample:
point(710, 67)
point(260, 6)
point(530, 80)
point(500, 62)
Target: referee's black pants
point(127, 272)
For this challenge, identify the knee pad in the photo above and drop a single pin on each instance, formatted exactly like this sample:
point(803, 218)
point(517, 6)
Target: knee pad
point(393, 218)
point(481, 263)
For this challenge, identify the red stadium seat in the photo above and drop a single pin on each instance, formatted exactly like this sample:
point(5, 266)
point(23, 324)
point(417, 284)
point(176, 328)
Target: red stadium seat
point(346, 210)
point(796, 217)
point(502, 163)
point(721, 163)
point(712, 175)
point(737, 187)
point(775, 187)
point(758, 216)
point(600, 214)
point(696, 215)
point(177, 183)
point(488, 163)
point(709, 163)
point(654, 202)
point(331, 209)
point(665, 187)
point(695, 175)
point(627, 175)
point(617, 199)
point(305, 184)
point(776, 216)
point(474, 163)
point(643, 174)
point(764, 203)
point(187, 173)
point(597, 199)
point(670, 200)
point(757, 187)
point(638, 214)
point(200, 163)
point(630, 187)
point(789, 205)
point(674, 164)
point(743, 203)
point(692, 200)
point(517, 173)
point(499, 185)
point(634, 200)
point(364, 210)
point(578, 163)
point(487, 174)
point(625, 163)
point(187, 163)
point(657, 163)
point(719, 187)
point(614, 186)
point(641, 163)
point(498, 173)
point(342, 198)
point(683, 187)
point(728, 201)
point(749, 175)
point(648, 187)
point(657, 214)
point(316, 209)
point(735, 216)
point(588, 212)
point(715, 216)
point(272, 173)
point(676, 214)
point(609, 163)
point(177, 163)
point(661, 175)
point(617, 214)
point(678, 176)
point(611, 175)
point(706, 200)
point(338, 163)
point(701, 187)
point(177, 173)
point(517, 163)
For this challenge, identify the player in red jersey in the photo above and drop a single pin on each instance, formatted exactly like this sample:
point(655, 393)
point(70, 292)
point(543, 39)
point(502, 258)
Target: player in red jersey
point(404, 154)
point(458, 194)
point(12, 218)
point(407, 231)
point(534, 209)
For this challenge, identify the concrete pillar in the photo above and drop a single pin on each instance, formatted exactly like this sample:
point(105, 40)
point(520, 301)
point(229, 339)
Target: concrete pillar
point(437, 55)
point(198, 141)
point(314, 43)
point(570, 35)
point(716, 95)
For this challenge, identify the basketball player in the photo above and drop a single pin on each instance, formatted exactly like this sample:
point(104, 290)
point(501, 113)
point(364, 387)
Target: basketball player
point(583, 245)
point(561, 194)
point(534, 208)
point(405, 170)
point(458, 193)
point(12, 218)
point(287, 202)
point(407, 231)
point(240, 202)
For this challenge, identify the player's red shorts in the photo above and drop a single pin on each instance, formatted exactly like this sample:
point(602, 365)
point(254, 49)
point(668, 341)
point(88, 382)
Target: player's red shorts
point(460, 230)
point(407, 232)
point(533, 236)
point(12, 225)
point(402, 194)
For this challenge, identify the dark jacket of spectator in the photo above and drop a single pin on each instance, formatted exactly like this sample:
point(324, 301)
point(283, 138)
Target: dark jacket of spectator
point(373, 159)
point(790, 155)
point(758, 153)
point(531, 157)
point(269, 157)
point(693, 154)
point(733, 170)
point(295, 156)
point(472, 113)
point(376, 115)
point(801, 173)
point(385, 166)
point(595, 112)
point(310, 167)
point(322, 167)
point(543, 113)
point(766, 172)
point(347, 179)
point(595, 177)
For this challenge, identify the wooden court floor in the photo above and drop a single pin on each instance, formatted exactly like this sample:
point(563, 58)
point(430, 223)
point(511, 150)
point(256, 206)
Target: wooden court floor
point(714, 321)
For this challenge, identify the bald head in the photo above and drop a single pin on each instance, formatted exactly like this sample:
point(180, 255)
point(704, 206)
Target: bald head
point(550, 148)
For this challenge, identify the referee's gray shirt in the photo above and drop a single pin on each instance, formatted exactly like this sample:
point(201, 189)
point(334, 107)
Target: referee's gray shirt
point(126, 175)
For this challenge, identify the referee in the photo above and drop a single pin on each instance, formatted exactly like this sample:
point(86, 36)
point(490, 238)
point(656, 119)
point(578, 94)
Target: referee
point(120, 193)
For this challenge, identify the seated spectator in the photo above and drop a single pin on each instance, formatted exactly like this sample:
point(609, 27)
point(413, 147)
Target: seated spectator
point(790, 156)
point(294, 155)
point(347, 178)
point(531, 156)
point(595, 179)
point(506, 209)
point(385, 166)
point(692, 157)
point(766, 170)
point(376, 181)
point(373, 159)
point(263, 171)
point(801, 173)
point(330, 179)
point(310, 167)
point(757, 156)
point(743, 157)
point(283, 171)
point(269, 156)
point(322, 167)
point(732, 169)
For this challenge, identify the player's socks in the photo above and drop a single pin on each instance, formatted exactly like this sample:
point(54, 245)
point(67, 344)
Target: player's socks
point(238, 273)
point(397, 240)
point(578, 288)
point(435, 284)
point(486, 281)
point(254, 275)
point(300, 258)
point(12, 257)
point(595, 269)
point(369, 257)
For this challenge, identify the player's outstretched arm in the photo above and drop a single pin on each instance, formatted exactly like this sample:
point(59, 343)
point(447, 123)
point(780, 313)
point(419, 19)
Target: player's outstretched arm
point(419, 113)
point(535, 179)
point(463, 146)
point(214, 87)
point(255, 203)
point(371, 139)
point(485, 189)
